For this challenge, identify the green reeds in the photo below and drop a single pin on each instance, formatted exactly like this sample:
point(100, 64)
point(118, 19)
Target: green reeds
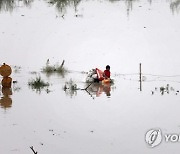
point(50, 69)
point(38, 84)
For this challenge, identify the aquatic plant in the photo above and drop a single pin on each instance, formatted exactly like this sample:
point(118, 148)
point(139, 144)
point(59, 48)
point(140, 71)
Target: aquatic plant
point(70, 85)
point(70, 88)
point(16, 69)
point(165, 90)
point(10, 5)
point(60, 69)
point(38, 84)
point(62, 5)
point(49, 69)
point(175, 5)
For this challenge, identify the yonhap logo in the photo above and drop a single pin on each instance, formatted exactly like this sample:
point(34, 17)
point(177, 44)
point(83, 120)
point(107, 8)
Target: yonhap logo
point(153, 137)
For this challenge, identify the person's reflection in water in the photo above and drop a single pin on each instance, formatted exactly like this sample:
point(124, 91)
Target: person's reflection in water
point(107, 89)
point(97, 89)
point(5, 100)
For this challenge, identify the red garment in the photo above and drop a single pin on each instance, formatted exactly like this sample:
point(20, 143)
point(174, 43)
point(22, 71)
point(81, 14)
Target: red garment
point(107, 73)
point(99, 74)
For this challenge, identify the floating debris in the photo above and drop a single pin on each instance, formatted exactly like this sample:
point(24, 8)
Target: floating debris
point(32, 148)
point(162, 88)
point(41, 143)
point(15, 82)
point(16, 69)
point(165, 89)
point(33, 72)
point(152, 92)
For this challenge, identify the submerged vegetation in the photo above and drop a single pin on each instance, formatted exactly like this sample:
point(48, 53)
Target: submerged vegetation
point(63, 5)
point(50, 69)
point(70, 88)
point(165, 90)
point(70, 85)
point(10, 5)
point(38, 84)
point(175, 5)
point(92, 89)
point(16, 69)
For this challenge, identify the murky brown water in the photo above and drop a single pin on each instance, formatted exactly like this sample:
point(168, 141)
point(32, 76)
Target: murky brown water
point(87, 34)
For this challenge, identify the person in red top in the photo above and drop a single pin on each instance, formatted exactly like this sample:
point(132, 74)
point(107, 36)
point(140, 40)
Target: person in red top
point(107, 72)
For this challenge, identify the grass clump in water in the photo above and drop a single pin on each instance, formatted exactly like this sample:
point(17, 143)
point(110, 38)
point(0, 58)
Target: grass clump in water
point(70, 88)
point(49, 69)
point(38, 84)
point(70, 85)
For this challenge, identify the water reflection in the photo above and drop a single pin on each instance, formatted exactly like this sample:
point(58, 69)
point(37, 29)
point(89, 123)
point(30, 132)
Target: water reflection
point(129, 4)
point(70, 92)
point(57, 69)
point(9, 5)
point(175, 5)
point(38, 85)
point(6, 101)
point(97, 89)
point(150, 1)
point(92, 89)
point(16, 87)
point(62, 5)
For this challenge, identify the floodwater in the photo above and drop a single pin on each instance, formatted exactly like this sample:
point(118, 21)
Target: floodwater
point(104, 119)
